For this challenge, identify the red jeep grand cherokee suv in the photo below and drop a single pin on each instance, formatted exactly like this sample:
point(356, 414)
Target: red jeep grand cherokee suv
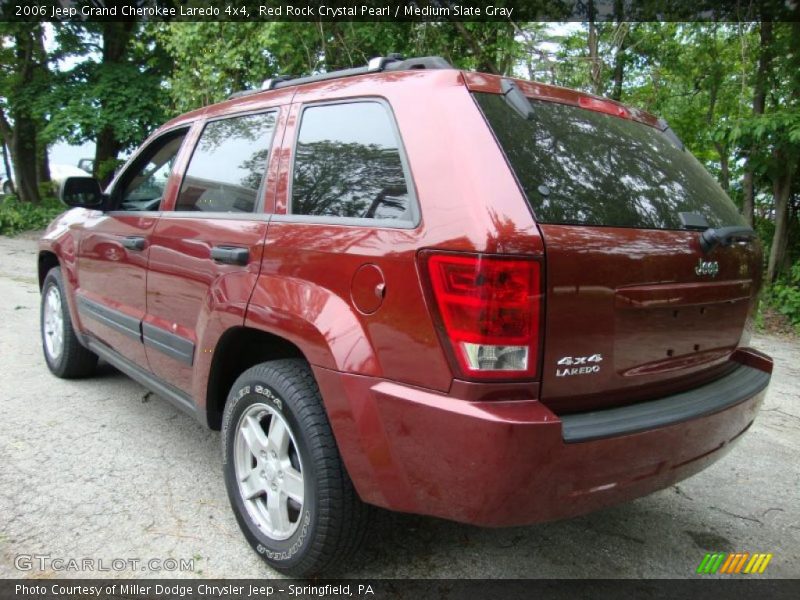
point(409, 286)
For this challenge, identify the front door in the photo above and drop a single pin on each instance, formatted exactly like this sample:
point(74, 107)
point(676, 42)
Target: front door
point(114, 249)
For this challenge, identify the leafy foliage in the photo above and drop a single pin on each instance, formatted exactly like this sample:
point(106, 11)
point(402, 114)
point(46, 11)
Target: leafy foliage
point(215, 59)
point(784, 295)
point(17, 216)
point(126, 96)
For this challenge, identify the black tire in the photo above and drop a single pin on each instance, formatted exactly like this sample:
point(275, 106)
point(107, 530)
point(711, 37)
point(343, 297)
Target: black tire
point(332, 521)
point(8, 188)
point(74, 360)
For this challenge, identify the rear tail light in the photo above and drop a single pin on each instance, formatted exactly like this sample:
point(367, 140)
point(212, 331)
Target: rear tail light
point(487, 310)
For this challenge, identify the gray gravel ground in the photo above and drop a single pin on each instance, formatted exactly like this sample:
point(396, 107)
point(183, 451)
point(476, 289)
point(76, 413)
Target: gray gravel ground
point(102, 469)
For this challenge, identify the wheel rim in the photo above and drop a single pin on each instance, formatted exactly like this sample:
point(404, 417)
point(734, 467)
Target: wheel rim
point(268, 471)
point(53, 326)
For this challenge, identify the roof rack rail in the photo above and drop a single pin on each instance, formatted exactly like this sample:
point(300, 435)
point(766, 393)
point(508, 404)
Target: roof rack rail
point(392, 62)
point(271, 83)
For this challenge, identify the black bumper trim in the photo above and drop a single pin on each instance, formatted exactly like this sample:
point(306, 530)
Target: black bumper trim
point(738, 386)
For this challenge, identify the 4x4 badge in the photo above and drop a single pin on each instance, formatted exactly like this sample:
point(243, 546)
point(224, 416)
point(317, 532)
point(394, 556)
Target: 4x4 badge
point(706, 267)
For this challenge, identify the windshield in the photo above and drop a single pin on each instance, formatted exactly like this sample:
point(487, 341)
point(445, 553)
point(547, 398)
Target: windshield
point(582, 167)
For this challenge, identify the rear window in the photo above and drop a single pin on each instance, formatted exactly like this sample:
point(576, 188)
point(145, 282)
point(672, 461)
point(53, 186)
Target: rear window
point(582, 167)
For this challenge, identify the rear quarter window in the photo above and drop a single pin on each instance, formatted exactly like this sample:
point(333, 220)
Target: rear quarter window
point(582, 167)
point(349, 164)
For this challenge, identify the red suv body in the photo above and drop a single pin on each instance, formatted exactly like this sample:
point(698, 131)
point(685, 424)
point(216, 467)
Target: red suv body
point(518, 302)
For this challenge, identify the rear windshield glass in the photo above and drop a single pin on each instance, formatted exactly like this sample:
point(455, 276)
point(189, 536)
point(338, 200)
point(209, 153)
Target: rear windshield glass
point(582, 167)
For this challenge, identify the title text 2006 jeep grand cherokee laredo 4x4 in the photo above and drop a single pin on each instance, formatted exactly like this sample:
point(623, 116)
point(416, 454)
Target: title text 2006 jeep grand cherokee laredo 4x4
point(405, 285)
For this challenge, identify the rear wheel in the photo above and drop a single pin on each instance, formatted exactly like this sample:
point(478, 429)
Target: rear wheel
point(286, 482)
point(65, 355)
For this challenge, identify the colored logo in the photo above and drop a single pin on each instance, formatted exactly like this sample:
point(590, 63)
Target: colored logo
point(734, 563)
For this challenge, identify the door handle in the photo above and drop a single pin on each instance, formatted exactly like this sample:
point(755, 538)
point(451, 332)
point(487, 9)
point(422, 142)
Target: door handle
point(134, 243)
point(231, 255)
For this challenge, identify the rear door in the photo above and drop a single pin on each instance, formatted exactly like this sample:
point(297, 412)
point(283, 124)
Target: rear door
point(206, 250)
point(635, 309)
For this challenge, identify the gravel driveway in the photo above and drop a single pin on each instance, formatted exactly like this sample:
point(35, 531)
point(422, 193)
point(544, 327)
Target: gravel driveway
point(101, 469)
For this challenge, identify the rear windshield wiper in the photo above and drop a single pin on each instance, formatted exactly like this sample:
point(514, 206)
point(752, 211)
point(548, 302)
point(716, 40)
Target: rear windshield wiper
point(710, 238)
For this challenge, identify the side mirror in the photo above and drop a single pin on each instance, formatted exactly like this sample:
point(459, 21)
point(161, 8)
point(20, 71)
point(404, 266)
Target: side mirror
point(81, 192)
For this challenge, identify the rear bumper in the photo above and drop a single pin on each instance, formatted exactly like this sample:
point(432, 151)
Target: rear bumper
point(507, 463)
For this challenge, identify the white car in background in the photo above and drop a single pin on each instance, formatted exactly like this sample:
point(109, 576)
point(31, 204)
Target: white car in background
point(58, 172)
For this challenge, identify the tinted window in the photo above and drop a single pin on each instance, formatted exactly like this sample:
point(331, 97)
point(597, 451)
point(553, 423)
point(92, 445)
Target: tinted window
point(144, 184)
point(347, 164)
point(583, 167)
point(228, 164)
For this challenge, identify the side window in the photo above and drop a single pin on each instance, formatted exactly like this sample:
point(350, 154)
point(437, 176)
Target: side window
point(143, 185)
point(228, 164)
point(347, 164)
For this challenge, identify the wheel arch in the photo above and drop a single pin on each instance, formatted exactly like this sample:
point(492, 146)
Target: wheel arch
point(47, 261)
point(238, 349)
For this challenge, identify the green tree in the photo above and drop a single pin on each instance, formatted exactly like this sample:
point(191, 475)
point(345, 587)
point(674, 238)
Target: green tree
point(212, 60)
point(24, 79)
point(730, 91)
point(770, 137)
point(114, 94)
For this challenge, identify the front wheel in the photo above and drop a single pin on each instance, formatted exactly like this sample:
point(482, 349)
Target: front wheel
point(285, 479)
point(63, 352)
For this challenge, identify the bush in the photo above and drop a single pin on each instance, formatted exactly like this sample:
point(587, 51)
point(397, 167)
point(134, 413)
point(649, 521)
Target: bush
point(784, 295)
point(16, 216)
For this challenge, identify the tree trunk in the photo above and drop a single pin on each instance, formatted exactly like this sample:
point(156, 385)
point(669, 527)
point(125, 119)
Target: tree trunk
point(23, 151)
point(715, 82)
point(25, 129)
point(619, 72)
point(782, 191)
point(724, 168)
point(116, 37)
point(107, 148)
point(505, 58)
point(43, 164)
point(759, 100)
point(619, 54)
point(748, 194)
point(595, 70)
point(792, 231)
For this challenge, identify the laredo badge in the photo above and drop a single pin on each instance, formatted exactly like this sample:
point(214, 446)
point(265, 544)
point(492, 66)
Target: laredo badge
point(578, 365)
